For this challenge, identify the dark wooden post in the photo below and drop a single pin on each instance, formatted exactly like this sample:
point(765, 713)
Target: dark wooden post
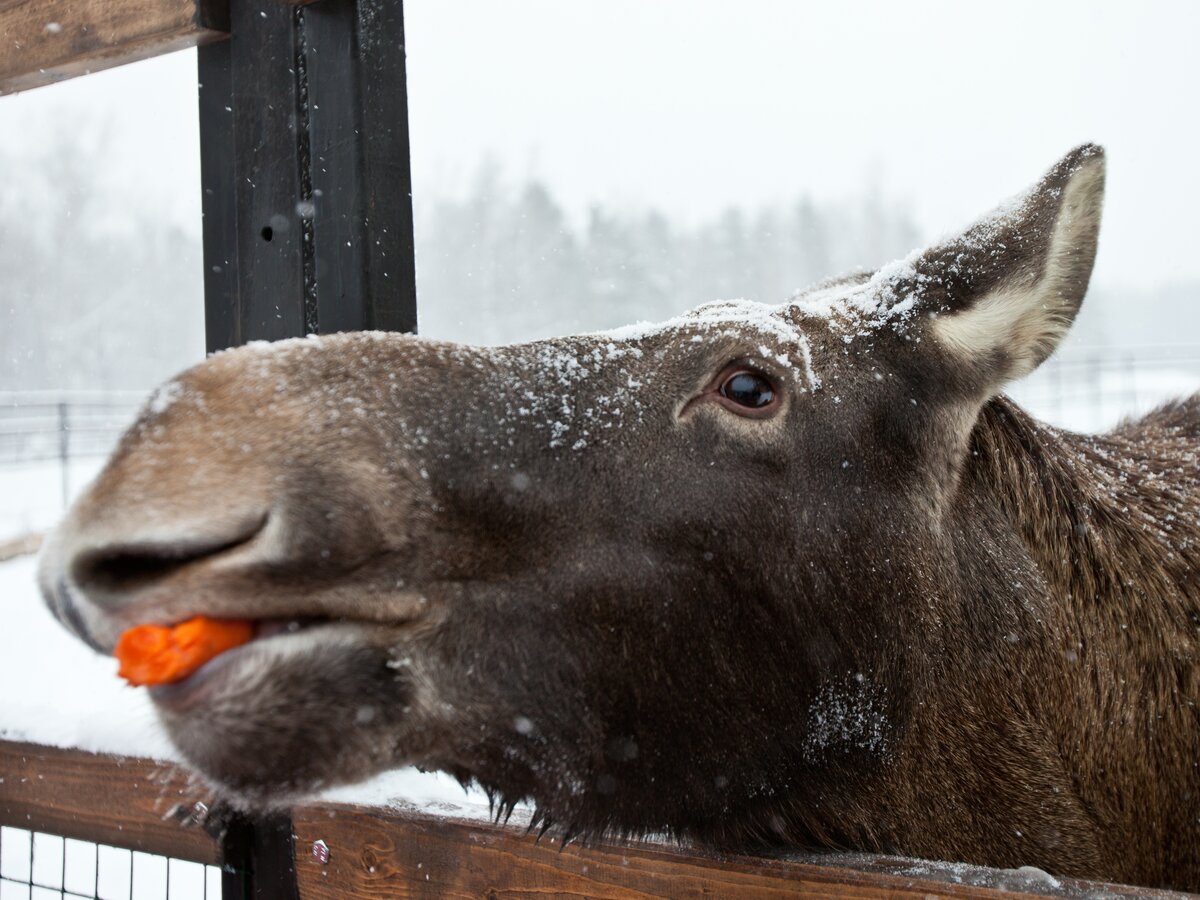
point(359, 151)
point(305, 172)
point(257, 859)
point(307, 222)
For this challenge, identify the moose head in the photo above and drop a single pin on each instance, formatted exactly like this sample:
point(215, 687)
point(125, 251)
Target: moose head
point(744, 575)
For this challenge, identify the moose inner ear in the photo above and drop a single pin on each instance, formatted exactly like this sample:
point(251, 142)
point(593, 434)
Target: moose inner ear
point(1009, 287)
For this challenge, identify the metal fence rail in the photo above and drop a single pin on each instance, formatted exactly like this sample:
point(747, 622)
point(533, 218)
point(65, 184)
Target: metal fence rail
point(44, 426)
point(37, 432)
point(1093, 389)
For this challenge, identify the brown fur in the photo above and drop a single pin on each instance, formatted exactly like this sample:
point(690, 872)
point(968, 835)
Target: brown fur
point(892, 613)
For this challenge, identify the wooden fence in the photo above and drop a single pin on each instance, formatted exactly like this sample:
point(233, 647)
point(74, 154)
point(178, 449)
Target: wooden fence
point(338, 851)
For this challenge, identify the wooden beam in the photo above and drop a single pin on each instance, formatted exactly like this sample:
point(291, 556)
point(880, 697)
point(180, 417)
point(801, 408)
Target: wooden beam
point(376, 853)
point(127, 802)
point(304, 167)
point(372, 852)
point(44, 41)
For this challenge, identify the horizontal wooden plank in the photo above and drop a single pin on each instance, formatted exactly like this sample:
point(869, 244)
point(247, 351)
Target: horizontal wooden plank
point(374, 853)
point(371, 852)
point(44, 41)
point(122, 801)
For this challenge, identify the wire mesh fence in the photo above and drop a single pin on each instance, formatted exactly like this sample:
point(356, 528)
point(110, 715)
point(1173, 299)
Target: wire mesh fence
point(1093, 391)
point(36, 426)
point(37, 866)
point(51, 444)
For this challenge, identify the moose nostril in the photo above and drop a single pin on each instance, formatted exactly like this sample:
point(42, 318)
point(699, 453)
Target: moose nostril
point(125, 568)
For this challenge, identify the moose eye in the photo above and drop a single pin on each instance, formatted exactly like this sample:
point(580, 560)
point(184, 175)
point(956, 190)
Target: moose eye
point(748, 389)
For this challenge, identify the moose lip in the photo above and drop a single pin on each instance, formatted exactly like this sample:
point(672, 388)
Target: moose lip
point(194, 687)
point(267, 628)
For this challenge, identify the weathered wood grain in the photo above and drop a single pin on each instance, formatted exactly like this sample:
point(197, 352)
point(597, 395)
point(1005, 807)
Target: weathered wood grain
point(44, 41)
point(136, 803)
point(133, 803)
point(373, 853)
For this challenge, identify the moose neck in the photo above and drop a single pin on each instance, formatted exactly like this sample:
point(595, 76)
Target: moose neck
point(1109, 524)
point(1101, 516)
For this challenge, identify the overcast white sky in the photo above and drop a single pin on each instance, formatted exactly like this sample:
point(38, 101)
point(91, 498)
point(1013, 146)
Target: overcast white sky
point(690, 105)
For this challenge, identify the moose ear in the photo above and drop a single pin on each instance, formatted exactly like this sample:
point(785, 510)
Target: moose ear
point(1006, 290)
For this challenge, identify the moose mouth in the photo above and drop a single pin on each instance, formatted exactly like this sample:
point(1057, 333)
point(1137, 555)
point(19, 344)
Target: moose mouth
point(194, 687)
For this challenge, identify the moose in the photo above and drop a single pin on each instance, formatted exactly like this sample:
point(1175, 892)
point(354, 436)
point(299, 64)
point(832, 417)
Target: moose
point(759, 576)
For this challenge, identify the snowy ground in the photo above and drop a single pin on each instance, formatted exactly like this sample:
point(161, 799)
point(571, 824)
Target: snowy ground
point(31, 494)
point(56, 691)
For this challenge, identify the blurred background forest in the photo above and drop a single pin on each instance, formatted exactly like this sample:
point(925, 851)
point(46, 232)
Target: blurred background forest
point(103, 294)
point(100, 294)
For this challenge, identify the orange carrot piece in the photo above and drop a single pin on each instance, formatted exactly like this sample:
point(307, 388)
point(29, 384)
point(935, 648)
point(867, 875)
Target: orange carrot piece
point(155, 654)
